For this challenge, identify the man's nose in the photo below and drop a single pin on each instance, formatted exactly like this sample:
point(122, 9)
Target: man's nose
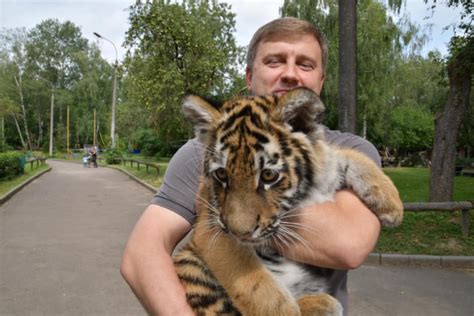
point(290, 75)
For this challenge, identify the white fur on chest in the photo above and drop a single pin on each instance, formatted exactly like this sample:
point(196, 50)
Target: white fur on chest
point(293, 277)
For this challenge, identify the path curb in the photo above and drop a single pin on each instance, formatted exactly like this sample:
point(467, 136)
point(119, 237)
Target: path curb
point(454, 262)
point(16, 189)
point(143, 183)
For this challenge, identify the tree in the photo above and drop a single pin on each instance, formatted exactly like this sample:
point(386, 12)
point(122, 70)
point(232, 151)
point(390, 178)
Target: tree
point(8, 107)
point(376, 73)
point(347, 65)
point(177, 48)
point(14, 61)
point(460, 67)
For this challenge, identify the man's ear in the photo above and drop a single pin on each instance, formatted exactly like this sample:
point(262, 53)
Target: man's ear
point(202, 115)
point(248, 77)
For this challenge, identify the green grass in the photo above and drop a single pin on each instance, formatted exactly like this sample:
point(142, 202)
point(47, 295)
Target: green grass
point(7, 185)
point(151, 177)
point(432, 233)
point(413, 184)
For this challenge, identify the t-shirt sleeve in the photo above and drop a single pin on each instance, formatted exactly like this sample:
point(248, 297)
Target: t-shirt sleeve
point(181, 181)
point(358, 143)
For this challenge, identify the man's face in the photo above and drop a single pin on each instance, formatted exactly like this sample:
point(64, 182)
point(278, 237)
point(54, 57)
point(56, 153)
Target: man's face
point(283, 65)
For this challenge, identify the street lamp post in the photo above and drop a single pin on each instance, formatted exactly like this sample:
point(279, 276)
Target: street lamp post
point(51, 120)
point(114, 91)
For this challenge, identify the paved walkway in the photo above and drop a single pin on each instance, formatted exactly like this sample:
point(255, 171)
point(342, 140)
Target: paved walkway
point(61, 240)
point(62, 236)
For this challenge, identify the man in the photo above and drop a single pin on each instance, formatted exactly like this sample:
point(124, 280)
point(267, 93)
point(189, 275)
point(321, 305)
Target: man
point(283, 54)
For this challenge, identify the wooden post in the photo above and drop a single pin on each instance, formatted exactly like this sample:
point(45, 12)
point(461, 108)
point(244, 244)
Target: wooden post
point(67, 131)
point(465, 223)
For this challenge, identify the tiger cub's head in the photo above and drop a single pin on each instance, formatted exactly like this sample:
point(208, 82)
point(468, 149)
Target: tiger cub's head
point(259, 161)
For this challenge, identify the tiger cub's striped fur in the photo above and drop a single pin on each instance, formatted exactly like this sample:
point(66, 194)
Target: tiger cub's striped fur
point(266, 158)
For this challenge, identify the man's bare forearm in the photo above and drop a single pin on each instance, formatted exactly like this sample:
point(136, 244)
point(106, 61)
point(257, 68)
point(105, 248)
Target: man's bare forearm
point(337, 235)
point(148, 267)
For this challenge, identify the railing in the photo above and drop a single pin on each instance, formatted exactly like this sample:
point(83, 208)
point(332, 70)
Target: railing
point(138, 163)
point(31, 161)
point(464, 207)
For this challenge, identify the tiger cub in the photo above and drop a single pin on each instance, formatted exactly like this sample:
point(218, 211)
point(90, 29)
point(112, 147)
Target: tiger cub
point(265, 158)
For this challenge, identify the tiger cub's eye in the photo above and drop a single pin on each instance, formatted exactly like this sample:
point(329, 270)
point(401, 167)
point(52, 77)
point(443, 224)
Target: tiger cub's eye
point(269, 176)
point(221, 175)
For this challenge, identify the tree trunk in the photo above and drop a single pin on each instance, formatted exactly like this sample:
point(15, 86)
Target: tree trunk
point(3, 134)
point(447, 125)
point(40, 132)
point(347, 65)
point(23, 110)
point(19, 132)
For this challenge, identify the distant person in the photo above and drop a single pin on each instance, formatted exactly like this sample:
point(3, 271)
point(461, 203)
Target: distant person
point(94, 156)
point(85, 160)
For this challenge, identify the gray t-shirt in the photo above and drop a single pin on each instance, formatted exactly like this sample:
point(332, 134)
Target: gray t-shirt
point(180, 184)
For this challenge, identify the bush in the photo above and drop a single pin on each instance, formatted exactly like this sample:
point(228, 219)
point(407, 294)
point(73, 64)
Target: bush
point(147, 140)
point(11, 164)
point(113, 156)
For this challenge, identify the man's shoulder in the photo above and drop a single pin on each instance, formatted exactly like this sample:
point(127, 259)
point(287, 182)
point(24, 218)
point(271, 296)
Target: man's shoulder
point(191, 148)
point(349, 140)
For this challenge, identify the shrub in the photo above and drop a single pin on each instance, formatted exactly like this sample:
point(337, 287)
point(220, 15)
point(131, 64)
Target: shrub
point(113, 156)
point(147, 140)
point(11, 164)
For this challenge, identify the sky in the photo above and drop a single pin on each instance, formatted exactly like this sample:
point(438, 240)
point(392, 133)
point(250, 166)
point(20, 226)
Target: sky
point(109, 18)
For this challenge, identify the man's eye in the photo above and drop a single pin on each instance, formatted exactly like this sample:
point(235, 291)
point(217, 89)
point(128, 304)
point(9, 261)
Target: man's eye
point(306, 67)
point(221, 175)
point(273, 63)
point(269, 176)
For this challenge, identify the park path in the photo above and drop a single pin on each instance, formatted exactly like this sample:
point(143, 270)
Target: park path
point(62, 237)
point(61, 240)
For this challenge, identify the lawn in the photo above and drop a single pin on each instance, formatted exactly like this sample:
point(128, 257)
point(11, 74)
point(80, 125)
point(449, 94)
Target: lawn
point(413, 184)
point(151, 177)
point(434, 233)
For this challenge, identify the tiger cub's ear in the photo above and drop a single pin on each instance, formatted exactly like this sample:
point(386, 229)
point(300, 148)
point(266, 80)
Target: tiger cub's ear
point(302, 109)
point(202, 115)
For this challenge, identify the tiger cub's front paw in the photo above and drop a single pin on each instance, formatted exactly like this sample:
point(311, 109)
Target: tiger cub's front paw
point(320, 305)
point(386, 204)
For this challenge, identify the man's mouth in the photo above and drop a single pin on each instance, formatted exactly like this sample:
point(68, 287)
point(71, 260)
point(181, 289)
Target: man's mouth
point(281, 92)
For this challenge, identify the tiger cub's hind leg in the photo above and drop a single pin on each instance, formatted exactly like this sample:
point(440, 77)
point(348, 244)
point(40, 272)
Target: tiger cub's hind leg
point(319, 305)
point(204, 294)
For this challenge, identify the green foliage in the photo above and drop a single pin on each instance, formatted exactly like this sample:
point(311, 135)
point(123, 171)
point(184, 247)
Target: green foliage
point(113, 156)
point(411, 129)
point(11, 164)
point(177, 48)
point(7, 185)
point(147, 141)
point(52, 57)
